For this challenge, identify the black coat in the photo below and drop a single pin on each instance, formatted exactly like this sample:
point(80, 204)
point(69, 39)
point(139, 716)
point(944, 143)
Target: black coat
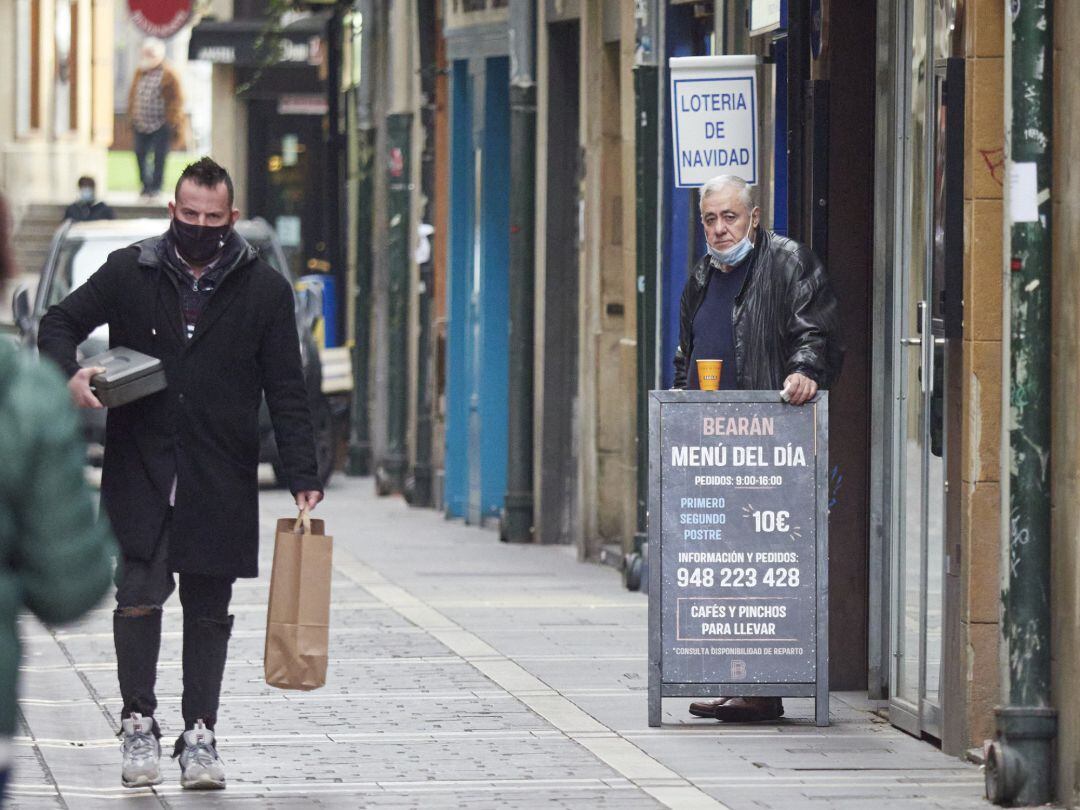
point(785, 319)
point(204, 427)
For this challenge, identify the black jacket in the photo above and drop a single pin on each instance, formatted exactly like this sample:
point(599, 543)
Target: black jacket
point(785, 317)
point(204, 427)
point(80, 211)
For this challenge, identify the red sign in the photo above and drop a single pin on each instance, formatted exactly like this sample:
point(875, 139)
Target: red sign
point(160, 18)
point(397, 162)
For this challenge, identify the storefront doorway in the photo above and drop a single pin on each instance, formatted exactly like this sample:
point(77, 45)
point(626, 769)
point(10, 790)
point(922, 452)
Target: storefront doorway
point(926, 324)
point(286, 181)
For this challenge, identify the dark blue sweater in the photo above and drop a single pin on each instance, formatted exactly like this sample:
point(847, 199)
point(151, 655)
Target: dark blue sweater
point(714, 338)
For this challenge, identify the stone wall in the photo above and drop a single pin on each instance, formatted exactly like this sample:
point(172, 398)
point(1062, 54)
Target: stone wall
point(982, 366)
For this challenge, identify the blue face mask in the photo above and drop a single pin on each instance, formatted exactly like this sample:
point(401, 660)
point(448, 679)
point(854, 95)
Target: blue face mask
point(86, 194)
point(734, 254)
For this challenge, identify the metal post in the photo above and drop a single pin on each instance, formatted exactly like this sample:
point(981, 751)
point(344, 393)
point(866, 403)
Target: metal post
point(337, 151)
point(390, 469)
point(798, 66)
point(1020, 760)
point(420, 493)
point(518, 524)
point(359, 462)
point(647, 171)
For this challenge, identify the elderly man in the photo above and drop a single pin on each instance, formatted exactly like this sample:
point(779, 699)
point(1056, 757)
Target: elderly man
point(762, 303)
point(180, 477)
point(156, 112)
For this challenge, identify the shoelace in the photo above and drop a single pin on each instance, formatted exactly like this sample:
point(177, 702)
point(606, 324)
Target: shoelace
point(203, 753)
point(140, 744)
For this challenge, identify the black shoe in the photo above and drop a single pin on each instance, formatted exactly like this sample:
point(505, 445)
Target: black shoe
point(750, 710)
point(707, 708)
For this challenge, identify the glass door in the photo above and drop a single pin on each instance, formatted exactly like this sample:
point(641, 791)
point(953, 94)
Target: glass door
point(918, 560)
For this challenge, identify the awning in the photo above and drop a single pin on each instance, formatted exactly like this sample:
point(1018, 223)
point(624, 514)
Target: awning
point(249, 43)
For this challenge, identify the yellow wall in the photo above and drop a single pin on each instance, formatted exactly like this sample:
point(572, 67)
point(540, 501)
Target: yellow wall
point(981, 437)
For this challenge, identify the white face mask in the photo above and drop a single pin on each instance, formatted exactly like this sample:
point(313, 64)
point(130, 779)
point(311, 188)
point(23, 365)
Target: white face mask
point(736, 253)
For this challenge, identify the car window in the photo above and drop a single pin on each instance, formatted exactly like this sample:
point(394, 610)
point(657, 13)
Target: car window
point(267, 253)
point(77, 260)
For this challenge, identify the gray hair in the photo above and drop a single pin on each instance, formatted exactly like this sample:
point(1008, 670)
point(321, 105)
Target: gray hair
point(722, 181)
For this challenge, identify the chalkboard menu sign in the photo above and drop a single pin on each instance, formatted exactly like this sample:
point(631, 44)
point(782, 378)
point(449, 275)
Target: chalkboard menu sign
point(738, 547)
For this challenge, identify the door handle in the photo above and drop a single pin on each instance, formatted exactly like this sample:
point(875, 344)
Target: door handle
point(920, 327)
point(928, 385)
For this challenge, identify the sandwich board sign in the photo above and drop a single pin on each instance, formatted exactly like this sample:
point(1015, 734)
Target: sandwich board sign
point(714, 118)
point(738, 547)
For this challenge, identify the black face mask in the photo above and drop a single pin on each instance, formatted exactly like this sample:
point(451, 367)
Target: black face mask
point(198, 244)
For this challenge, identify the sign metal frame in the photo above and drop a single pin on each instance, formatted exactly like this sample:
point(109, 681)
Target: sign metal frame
point(714, 70)
point(658, 687)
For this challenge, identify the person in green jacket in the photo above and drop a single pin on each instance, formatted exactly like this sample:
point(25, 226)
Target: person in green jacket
point(55, 553)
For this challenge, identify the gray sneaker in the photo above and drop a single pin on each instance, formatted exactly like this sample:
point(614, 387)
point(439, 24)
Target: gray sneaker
point(142, 752)
point(200, 766)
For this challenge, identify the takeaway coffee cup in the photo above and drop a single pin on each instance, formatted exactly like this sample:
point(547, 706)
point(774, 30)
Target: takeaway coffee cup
point(708, 374)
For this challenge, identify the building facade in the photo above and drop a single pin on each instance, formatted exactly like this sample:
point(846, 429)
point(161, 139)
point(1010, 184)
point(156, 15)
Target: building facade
point(56, 96)
point(885, 137)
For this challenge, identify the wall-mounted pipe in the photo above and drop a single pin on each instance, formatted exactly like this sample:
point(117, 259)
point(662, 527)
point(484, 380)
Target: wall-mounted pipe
point(1020, 758)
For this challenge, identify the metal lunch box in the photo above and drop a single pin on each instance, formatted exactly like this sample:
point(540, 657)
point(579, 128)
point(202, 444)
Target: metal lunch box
point(129, 375)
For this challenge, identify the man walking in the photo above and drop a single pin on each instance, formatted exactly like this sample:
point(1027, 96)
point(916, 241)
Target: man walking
point(156, 112)
point(179, 481)
point(763, 304)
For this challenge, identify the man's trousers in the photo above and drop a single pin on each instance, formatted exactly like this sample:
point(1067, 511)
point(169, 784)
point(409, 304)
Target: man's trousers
point(142, 588)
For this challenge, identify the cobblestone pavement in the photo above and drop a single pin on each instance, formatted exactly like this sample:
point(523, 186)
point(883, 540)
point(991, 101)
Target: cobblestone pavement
point(464, 672)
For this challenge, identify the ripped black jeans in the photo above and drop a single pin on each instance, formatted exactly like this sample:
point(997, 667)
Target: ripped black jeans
point(142, 588)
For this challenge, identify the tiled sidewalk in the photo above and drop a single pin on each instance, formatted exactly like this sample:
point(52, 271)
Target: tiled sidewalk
point(464, 672)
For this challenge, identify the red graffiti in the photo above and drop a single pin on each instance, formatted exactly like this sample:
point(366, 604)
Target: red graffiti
point(995, 163)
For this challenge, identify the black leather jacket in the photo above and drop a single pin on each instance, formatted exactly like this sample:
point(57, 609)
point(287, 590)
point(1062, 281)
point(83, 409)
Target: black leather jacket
point(785, 317)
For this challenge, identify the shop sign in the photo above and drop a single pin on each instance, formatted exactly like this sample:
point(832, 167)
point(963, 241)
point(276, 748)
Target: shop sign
point(160, 18)
point(764, 16)
point(302, 104)
point(714, 119)
point(738, 546)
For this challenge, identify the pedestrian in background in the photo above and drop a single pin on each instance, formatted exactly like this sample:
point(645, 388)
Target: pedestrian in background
point(156, 111)
point(180, 476)
point(88, 207)
point(763, 304)
point(55, 554)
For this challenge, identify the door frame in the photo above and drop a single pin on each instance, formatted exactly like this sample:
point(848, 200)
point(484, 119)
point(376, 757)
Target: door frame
point(892, 235)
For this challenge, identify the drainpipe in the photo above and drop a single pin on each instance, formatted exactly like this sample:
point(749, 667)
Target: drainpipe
point(647, 174)
point(420, 493)
point(359, 462)
point(1020, 758)
point(390, 468)
point(392, 462)
point(517, 525)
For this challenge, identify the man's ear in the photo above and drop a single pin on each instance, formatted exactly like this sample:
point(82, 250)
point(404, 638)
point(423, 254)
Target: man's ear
point(755, 217)
point(172, 210)
point(235, 215)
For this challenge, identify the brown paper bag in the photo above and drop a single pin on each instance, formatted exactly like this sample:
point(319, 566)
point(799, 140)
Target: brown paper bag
point(298, 615)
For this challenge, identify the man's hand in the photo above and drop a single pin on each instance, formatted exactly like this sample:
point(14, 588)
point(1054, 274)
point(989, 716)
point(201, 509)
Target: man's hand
point(79, 386)
point(799, 388)
point(308, 499)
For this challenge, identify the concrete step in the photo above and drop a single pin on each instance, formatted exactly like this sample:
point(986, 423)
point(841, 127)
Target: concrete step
point(39, 221)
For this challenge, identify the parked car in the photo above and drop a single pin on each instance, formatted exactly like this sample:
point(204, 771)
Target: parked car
point(78, 249)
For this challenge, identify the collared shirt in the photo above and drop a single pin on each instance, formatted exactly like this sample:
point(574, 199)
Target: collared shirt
point(149, 113)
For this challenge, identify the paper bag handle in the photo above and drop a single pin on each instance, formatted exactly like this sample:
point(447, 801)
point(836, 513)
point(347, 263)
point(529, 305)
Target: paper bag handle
point(304, 519)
